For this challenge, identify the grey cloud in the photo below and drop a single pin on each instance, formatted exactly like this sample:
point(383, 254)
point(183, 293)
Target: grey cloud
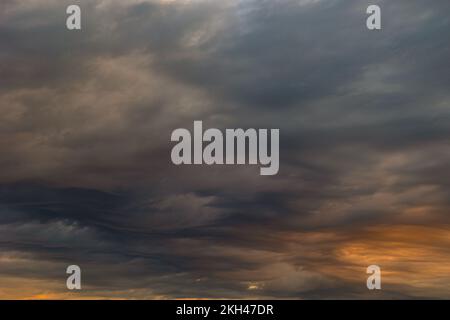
point(87, 116)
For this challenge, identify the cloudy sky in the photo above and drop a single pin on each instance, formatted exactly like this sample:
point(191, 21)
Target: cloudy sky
point(86, 176)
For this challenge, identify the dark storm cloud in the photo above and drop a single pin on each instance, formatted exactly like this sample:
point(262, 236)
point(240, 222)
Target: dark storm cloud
point(86, 118)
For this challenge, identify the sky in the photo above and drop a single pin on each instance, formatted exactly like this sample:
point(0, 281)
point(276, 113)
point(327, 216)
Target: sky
point(86, 176)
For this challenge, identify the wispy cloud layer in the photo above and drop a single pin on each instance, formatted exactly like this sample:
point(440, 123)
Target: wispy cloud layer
point(86, 176)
